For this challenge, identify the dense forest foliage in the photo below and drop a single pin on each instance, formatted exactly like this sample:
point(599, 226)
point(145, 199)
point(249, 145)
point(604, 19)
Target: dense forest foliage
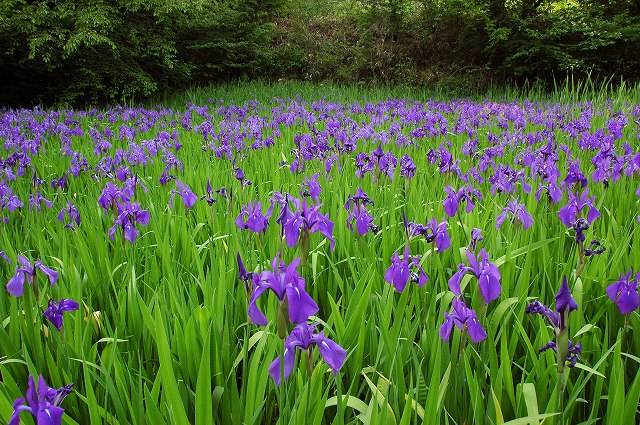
point(106, 51)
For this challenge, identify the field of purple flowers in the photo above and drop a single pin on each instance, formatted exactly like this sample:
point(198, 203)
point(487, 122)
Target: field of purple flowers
point(312, 261)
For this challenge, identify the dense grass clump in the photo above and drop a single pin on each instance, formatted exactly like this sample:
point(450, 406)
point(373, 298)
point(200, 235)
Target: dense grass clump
point(141, 214)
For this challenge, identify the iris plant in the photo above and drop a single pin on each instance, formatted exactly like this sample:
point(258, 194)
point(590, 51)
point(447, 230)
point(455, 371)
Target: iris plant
point(559, 320)
point(399, 272)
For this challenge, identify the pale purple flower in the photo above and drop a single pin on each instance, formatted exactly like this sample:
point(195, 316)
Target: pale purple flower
point(251, 217)
point(129, 216)
point(74, 216)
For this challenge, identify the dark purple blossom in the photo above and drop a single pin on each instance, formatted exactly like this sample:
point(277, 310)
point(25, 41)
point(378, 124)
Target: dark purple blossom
point(564, 305)
point(303, 337)
point(476, 236)
point(624, 293)
point(463, 318)
point(55, 310)
point(573, 351)
point(358, 214)
point(407, 167)
point(486, 272)
point(306, 220)
point(571, 212)
point(43, 403)
point(399, 272)
point(241, 177)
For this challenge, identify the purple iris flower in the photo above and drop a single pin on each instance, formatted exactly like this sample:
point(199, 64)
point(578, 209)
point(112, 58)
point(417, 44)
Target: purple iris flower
point(595, 248)
point(251, 217)
point(363, 221)
point(241, 177)
point(433, 232)
point(208, 197)
point(303, 337)
point(463, 318)
point(16, 284)
point(486, 272)
point(518, 211)
point(554, 194)
point(311, 188)
point(570, 213)
point(188, 197)
point(129, 215)
point(37, 200)
point(5, 257)
point(559, 320)
point(43, 403)
point(574, 176)
point(358, 214)
point(112, 195)
point(399, 272)
point(364, 164)
point(564, 305)
point(55, 310)
point(289, 287)
point(624, 293)
point(573, 351)
point(245, 276)
point(476, 236)
point(307, 220)
point(74, 216)
point(407, 167)
point(452, 202)
point(60, 183)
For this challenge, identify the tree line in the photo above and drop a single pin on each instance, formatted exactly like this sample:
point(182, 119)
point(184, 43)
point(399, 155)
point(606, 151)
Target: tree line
point(108, 51)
